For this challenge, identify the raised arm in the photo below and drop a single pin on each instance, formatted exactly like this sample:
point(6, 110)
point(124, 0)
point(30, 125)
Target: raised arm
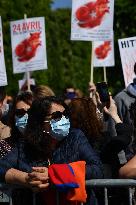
point(129, 169)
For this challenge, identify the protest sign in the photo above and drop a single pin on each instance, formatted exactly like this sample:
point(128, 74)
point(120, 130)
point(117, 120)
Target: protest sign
point(28, 44)
point(3, 75)
point(127, 47)
point(103, 54)
point(92, 20)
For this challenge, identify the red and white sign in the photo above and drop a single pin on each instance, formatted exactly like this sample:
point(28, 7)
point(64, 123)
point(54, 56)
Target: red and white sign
point(92, 20)
point(28, 44)
point(103, 54)
point(127, 47)
point(3, 75)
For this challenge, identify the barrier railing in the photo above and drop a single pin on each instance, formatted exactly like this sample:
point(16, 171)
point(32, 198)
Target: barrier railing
point(101, 183)
point(106, 183)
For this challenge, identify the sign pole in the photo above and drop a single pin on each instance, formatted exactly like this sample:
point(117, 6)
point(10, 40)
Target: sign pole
point(92, 66)
point(105, 75)
point(27, 72)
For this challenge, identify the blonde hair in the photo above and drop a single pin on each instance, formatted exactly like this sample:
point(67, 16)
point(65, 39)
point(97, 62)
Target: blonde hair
point(42, 91)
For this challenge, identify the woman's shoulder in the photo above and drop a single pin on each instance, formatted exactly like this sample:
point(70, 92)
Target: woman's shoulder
point(75, 131)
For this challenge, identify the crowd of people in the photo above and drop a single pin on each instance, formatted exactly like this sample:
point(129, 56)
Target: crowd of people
point(51, 144)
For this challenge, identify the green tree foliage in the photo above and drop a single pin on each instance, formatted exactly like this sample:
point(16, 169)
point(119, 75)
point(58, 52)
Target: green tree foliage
point(68, 61)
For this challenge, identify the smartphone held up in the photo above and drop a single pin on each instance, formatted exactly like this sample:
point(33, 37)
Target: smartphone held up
point(102, 89)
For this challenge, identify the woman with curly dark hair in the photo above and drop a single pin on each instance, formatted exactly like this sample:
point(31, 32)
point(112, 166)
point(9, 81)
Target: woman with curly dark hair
point(48, 139)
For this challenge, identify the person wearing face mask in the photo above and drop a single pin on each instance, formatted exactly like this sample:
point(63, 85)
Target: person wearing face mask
point(48, 139)
point(4, 129)
point(17, 121)
point(19, 114)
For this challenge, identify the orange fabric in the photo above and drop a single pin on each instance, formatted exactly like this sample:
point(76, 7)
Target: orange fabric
point(74, 196)
point(78, 194)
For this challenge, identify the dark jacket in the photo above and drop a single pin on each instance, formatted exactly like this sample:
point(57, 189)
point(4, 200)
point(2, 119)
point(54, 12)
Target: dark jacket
point(75, 147)
point(115, 151)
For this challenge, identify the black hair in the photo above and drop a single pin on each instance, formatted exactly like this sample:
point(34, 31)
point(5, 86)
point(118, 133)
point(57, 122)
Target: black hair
point(25, 96)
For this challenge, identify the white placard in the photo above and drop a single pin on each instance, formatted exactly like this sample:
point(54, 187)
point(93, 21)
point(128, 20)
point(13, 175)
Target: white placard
point(3, 75)
point(28, 44)
point(127, 47)
point(104, 54)
point(92, 20)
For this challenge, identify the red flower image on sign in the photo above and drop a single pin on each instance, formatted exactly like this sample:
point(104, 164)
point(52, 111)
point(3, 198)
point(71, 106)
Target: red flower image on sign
point(26, 49)
point(91, 14)
point(102, 51)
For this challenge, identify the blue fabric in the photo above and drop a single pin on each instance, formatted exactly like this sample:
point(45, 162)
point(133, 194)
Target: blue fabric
point(132, 89)
point(71, 169)
point(66, 187)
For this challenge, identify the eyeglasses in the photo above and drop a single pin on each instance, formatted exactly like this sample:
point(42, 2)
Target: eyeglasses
point(20, 112)
point(56, 115)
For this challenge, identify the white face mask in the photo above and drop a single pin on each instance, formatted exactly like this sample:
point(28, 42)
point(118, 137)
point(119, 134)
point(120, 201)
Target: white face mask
point(60, 128)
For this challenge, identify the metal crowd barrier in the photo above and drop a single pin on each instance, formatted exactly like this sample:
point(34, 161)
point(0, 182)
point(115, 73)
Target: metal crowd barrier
point(106, 183)
point(130, 184)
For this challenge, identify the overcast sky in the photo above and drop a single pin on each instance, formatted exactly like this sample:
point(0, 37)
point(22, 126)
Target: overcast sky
point(61, 4)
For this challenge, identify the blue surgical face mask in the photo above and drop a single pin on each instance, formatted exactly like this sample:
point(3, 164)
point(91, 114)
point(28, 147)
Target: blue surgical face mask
point(21, 122)
point(60, 128)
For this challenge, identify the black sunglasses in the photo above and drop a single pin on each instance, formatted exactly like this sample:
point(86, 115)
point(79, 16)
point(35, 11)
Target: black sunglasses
point(58, 115)
point(20, 112)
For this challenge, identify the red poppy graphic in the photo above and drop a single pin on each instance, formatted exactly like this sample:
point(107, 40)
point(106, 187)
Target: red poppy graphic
point(102, 51)
point(91, 14)
point(26, 49)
